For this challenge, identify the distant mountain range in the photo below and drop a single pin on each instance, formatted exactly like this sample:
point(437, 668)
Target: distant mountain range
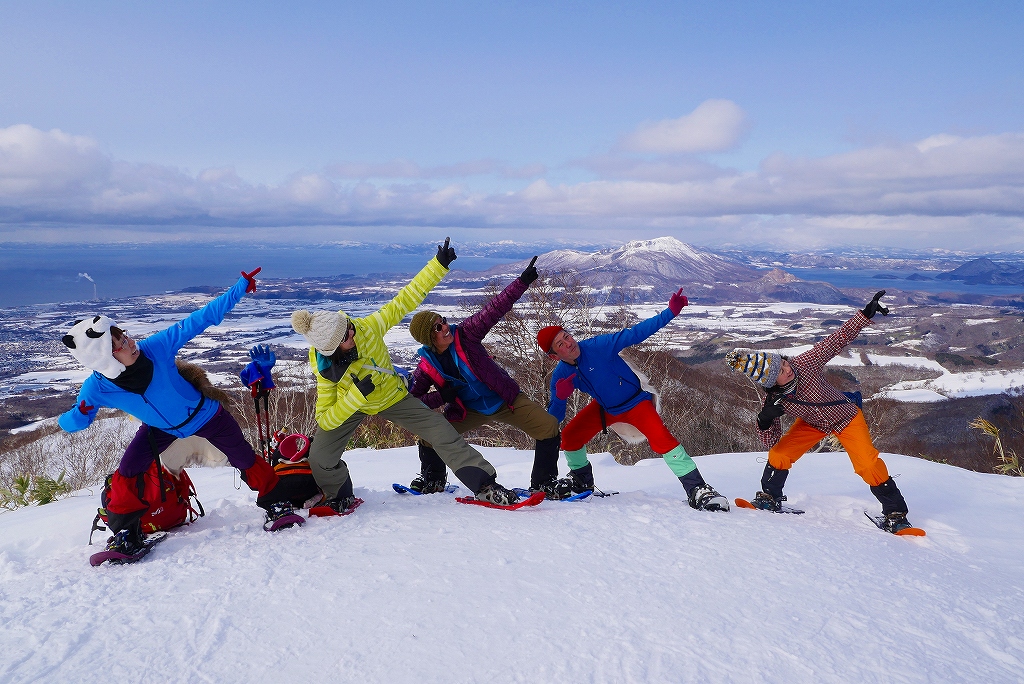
point(651, 269)
point(647, 271)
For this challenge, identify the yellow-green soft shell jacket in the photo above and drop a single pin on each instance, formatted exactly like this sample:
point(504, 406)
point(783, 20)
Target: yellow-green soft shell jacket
point(337, 401)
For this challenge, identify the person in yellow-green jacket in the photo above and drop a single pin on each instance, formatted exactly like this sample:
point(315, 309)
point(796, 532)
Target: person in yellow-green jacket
point(355, 379)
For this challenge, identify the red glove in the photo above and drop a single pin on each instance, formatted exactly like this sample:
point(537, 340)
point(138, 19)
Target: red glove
point(564, 387)
point(677, 301)
point(85, 408)
point(251, 277)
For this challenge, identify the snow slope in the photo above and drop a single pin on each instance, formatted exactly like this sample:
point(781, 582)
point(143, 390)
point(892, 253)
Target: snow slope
point(632, 588)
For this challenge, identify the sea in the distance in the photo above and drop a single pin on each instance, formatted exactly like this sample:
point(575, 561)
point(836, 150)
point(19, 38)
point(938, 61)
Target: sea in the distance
point(34, 274)
point(897, 280)
point(38, 275)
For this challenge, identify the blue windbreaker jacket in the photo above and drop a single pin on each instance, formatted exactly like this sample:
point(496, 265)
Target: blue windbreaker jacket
point(601, 372)
point(170, 399)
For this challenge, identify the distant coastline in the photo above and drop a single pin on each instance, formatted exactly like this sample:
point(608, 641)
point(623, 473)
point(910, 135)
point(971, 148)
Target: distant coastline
point(38, 274)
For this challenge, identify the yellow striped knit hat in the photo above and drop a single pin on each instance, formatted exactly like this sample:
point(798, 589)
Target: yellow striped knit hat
point(761, 367)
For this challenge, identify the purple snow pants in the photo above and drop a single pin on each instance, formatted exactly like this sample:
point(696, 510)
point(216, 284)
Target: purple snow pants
point(222, 432)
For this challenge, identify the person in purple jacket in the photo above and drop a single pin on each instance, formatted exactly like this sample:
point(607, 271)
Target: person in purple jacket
point(141, 378)
point(595, 367)
point(476, 391)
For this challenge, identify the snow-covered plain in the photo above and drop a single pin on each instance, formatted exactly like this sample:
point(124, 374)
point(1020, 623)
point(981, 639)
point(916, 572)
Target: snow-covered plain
point(632, 588)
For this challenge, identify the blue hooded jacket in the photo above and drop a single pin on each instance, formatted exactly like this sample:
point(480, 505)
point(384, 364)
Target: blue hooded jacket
point(170, 399)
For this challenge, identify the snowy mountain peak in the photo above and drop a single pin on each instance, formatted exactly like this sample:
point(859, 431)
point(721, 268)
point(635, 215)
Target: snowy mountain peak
point(666, 246)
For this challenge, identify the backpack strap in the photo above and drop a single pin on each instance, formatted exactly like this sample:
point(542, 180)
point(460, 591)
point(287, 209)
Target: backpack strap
point(851, 398)
point(159, 465)
point(202, 400)
point(96, 524)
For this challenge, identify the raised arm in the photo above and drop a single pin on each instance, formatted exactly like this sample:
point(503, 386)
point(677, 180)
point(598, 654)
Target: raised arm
point(170, 340)
point(824, 351)
point(480, 323)
point(408, 298)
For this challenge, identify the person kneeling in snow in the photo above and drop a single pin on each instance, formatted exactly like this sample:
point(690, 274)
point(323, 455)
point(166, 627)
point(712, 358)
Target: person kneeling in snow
point(355, 378)
point(798, 387)
point(595, 367)
point(141, 379)
point(477, 391)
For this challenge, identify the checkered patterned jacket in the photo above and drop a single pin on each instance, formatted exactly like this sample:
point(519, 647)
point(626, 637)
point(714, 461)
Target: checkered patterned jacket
point(811, 386)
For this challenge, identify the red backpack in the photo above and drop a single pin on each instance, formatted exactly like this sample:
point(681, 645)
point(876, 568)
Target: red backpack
point(169, 498)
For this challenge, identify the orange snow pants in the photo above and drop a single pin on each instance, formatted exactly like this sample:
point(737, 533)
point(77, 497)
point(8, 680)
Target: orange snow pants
point(855, 438)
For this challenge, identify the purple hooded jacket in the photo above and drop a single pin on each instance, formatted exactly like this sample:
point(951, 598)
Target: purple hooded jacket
point(469, 346)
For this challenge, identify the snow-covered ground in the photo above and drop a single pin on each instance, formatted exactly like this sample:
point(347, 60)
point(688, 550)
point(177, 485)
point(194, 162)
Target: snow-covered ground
point(632, 588)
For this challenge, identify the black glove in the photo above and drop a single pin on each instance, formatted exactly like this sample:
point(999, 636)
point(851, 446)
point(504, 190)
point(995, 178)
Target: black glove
point(874, 307)
point(530, 274)
point(446, 254)
point(772, 409)
point(448, 392)
point(365, 386)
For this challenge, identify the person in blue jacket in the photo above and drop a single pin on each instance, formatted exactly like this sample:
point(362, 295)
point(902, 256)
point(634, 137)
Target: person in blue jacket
point(594, 366)
point(142, 379)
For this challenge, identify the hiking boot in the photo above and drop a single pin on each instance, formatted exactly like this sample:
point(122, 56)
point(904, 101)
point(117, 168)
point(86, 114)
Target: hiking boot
point(555, 489)
point(582, 479)
point(497, 495)
point(127, 541)
point(424, 486)
point(895, 522)
point(281, 515)
point(705, 498)
point(767, 502)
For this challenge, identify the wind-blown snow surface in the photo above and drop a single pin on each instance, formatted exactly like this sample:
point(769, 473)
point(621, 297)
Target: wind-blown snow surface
point(632, 588)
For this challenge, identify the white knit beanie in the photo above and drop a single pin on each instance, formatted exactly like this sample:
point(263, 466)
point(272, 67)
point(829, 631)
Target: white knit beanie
point(324, 330)
point(92, 346)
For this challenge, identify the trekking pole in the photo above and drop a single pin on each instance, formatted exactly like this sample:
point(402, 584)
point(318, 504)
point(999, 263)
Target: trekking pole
point(257, 390)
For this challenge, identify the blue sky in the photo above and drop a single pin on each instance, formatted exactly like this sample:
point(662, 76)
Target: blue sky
point(803, 125)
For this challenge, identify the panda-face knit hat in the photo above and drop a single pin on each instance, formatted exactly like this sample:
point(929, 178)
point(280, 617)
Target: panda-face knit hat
point(91, 343)
point(324, 330)
point(761, 367)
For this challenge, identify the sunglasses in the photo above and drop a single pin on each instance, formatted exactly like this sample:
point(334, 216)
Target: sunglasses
point(124, 341)
point(438, 327)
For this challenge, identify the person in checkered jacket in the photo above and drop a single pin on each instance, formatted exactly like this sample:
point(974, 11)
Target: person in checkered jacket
point(798, 387)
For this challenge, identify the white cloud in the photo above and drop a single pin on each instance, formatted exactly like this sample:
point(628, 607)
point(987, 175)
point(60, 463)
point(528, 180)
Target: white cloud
point(714, 126)
point(964, 191)
point(36, 164)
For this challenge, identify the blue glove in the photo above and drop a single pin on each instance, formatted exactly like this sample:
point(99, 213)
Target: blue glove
point(254, 373)
point(264, 356)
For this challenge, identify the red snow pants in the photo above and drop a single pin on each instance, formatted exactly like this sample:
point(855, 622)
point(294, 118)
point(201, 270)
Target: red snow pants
point(644, 417)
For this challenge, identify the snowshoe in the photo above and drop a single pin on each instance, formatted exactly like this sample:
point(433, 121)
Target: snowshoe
point(527, 493)
point(766, 502)
point(281, 515)
point(402, 489)
point(421, 485)
point(532, 500)
point(497, 495)
point(555, 489)
point(705, 498)
point(334, 507)
point(125, 547)
point(895, 523)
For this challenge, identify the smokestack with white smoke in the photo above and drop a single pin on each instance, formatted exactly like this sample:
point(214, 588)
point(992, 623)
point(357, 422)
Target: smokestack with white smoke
point(87, 277)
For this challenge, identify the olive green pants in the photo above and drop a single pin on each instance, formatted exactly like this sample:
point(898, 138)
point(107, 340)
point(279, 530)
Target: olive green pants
point(331, 472)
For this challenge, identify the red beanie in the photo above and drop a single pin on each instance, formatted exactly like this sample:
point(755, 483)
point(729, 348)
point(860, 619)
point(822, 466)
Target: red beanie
point(546, 336)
